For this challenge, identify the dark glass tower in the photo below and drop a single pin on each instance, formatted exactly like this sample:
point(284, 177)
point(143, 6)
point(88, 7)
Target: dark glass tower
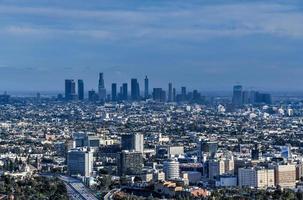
point(70, 89)
point(170, 92)
point(146, 87)
point(124, 91)
point(114, 92)
point(101, 88)
point(135, 89)
point(80, 89)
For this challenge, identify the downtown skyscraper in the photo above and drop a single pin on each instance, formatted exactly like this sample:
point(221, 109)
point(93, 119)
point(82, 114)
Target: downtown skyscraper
point(80, 89)
point(146, 87)
point(135, 89)
point(70, 89)
point(101, 88)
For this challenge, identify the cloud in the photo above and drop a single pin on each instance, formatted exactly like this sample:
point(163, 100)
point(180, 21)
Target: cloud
point(172, 21)
point(47, 32)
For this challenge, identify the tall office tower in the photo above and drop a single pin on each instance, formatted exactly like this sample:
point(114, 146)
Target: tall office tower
point(124, 91)
point(80, 89)
point(146, 87)
point(206, 147)
point(135, 89)
point(101, 88)
point(159, 95)
point(170, 92)
point(285, 176)
point(174, 95)
point(114, 92)
point(70, 89)
point(130, 163)
point(80, 162)
point(183, 93)
point(133, 142)
point(237, 95)
point(171, 169)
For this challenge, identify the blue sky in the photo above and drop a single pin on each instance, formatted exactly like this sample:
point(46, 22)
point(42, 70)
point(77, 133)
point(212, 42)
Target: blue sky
point(205, 44)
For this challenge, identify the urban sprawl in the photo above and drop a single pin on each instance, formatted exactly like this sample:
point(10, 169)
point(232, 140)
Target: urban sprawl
point(151, 144)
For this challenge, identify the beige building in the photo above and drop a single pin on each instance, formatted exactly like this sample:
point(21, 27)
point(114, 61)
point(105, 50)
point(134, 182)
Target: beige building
point(285, 176)
point(229, 166)
point(265, 178)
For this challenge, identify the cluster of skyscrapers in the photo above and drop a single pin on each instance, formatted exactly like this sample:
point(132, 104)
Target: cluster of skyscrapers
point(242, 97)
point(158, 94)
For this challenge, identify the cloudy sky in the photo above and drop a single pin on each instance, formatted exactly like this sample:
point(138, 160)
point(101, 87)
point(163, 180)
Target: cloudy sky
point(203, 44)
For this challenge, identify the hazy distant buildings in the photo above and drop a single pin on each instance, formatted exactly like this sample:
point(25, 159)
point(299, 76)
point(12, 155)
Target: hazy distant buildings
point(237, 95)
point(159, 95)
point(4, 98)
point(92, 95)
point(183, 94)
point(170, 92)
point(242, 97)
point(80, 89)
point(101, 88)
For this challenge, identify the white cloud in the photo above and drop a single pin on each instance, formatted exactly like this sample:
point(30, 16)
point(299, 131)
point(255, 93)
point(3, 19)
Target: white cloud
point(194, 22)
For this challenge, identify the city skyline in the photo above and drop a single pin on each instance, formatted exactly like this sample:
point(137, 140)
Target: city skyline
point(204, 44)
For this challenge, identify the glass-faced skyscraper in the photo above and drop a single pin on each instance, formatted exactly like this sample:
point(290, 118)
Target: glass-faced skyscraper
point(124, 91)
point(70, 89)
point(114, 91)
point(101, 88)
point(135, 89)
point(80, 89)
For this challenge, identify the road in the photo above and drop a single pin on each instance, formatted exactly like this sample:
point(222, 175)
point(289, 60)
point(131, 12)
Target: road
point(109, 195)
point(76, 189)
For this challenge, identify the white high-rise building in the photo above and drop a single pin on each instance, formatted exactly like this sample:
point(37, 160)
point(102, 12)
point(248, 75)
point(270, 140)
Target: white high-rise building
point(80, 162)
point(171, 169)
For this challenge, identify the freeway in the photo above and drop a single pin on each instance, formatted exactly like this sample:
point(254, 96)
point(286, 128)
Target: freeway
point(76, 189)
point(109, 195)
